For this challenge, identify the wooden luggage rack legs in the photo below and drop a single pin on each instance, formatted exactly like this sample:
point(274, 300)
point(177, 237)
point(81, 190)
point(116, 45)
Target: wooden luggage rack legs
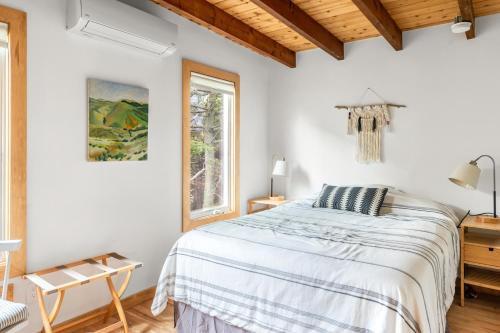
point(44, 288)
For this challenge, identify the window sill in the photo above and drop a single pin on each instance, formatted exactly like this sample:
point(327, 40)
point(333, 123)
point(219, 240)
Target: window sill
point(189, 224)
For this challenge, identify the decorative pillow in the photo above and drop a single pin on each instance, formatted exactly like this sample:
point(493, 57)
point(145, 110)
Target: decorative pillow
point(364, 200)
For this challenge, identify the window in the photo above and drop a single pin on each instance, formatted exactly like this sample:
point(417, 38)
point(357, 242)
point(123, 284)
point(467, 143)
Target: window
point(13, 133)
point(210, 145)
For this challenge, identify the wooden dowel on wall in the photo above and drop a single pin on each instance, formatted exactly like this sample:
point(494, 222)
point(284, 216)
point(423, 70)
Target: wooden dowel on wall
point(350, 106)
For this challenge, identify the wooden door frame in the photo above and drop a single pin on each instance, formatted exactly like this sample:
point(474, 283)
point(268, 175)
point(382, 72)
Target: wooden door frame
point(16, 150)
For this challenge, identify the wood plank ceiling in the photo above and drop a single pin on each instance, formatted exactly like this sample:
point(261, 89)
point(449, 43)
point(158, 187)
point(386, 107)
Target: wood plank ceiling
point(345, 20)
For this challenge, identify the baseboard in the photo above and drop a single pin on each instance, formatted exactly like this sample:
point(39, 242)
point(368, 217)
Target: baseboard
point(97, 315)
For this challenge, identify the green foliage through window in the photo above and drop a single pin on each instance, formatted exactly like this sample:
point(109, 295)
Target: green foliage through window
point(207, 135)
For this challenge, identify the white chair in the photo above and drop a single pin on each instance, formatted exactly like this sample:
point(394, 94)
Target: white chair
point(13, 316)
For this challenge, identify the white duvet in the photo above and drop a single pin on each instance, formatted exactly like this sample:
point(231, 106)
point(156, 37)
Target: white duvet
point(301, 269)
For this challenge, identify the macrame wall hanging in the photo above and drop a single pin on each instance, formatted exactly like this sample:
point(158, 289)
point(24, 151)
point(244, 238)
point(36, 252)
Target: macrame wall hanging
point(367, 122)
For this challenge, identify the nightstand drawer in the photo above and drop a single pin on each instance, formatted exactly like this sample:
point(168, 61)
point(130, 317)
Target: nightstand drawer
point(482, 255)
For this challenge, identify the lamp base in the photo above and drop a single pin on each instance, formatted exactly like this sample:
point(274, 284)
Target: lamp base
point(277, 198)
point(488, 219)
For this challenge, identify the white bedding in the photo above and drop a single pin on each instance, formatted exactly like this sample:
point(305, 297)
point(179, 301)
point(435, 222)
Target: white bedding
point(301, 269)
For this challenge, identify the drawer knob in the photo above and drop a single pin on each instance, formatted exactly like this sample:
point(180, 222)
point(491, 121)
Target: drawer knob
point(491, 249)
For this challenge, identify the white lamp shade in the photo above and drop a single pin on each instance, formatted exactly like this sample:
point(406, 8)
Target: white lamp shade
point(466, 175)
point(279, 168)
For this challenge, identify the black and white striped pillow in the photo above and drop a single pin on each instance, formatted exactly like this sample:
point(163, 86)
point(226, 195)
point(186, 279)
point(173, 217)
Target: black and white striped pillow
point(364, 200)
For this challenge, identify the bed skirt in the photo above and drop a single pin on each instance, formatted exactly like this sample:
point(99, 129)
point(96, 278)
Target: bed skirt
point(189, 320)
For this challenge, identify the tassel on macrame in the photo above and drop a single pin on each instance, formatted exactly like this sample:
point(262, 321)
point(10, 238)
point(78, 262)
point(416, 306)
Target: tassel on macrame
point(349, 127)
point(368, 122)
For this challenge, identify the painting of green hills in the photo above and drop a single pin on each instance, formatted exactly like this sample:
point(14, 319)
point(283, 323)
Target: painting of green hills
point(118, 121)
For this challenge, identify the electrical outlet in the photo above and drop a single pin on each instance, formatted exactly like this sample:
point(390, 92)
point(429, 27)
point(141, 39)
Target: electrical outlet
point(30, 295)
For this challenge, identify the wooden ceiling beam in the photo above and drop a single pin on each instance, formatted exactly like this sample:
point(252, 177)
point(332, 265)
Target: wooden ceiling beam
point(375, 12)
point(214, 18)
point(295, 18)
point(467, 13)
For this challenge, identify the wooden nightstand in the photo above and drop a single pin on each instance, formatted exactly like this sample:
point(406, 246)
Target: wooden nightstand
point(265, 201)
point(480, 255)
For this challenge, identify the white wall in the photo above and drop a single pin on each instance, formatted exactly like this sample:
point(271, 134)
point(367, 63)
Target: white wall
point(78, 209)
point(450, 85)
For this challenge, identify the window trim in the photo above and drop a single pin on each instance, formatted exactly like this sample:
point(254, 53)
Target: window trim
point(188, 67)
point(16, 182)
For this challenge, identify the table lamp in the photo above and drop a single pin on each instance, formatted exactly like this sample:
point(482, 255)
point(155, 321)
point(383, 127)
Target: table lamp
point(278, 170)
point(467, 175)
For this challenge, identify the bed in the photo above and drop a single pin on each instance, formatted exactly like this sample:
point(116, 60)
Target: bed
point(295, 269)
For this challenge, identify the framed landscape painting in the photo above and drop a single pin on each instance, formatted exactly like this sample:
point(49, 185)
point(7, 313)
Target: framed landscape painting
point(118, 121)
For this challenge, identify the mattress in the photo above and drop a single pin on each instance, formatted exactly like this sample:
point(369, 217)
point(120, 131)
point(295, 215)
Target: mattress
point(295, 268)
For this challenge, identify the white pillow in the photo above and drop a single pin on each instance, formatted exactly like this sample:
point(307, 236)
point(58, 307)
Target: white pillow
point(399, 202)
point(390, 188)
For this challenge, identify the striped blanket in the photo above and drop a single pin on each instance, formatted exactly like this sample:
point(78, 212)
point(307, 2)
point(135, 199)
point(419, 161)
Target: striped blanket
point(295, 268)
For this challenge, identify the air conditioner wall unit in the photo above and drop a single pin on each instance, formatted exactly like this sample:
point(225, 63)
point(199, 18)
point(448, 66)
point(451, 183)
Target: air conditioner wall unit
point(115, 21)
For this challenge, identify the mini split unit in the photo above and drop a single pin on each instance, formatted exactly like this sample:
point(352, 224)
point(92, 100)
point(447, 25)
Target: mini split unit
point(117, 22)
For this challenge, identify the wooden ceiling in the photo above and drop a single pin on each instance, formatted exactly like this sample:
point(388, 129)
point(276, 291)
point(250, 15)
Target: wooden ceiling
point(288, 24)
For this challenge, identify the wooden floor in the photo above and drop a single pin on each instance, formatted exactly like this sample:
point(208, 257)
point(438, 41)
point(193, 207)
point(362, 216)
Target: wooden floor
point(481, 315)
point(140, 320)
point(478, 316)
